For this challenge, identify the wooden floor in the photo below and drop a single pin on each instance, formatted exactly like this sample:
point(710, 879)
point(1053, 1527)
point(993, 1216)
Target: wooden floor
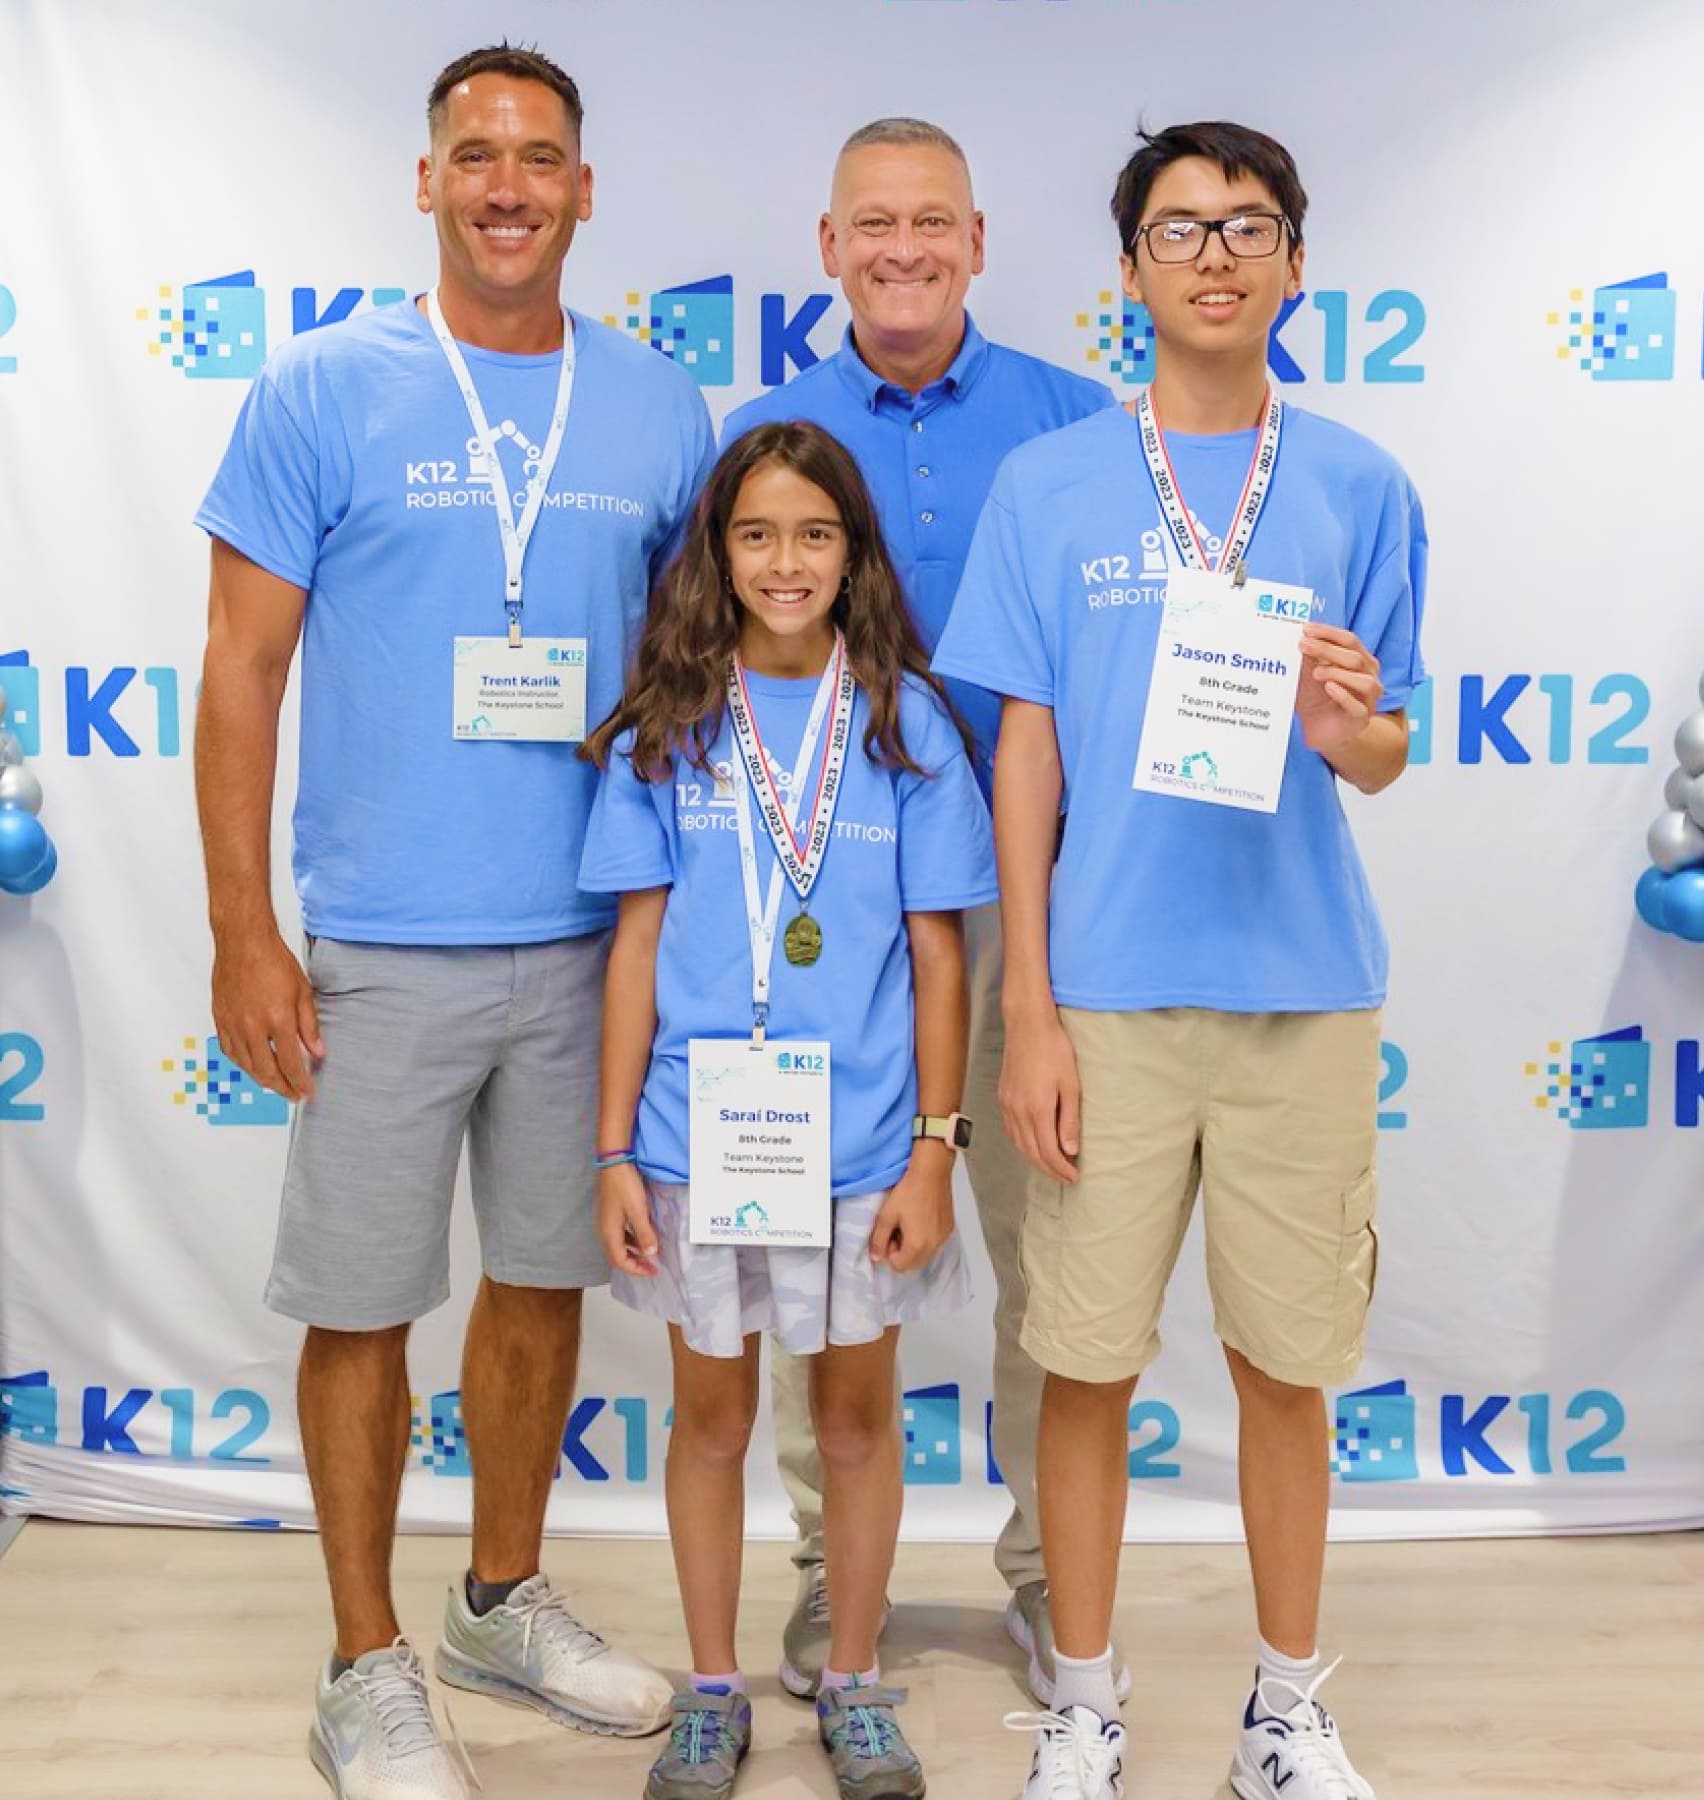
point(176, 1665)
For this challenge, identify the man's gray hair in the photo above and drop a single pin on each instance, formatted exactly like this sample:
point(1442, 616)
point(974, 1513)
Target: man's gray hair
point(904, 131)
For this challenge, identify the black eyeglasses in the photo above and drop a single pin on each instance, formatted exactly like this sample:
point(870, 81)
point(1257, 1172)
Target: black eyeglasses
point(1246, 236)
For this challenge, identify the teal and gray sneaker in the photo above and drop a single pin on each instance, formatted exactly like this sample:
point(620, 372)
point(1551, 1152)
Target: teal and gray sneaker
point(711, 1735)
point(866, 1748)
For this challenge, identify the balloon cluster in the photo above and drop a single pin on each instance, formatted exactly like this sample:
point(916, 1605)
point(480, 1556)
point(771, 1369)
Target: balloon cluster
point(1670, 896)
point(27, 856)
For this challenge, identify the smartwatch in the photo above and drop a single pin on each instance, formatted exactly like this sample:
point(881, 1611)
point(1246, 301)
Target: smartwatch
point(949, 1128)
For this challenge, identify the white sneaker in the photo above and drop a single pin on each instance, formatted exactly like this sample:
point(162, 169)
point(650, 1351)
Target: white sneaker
point(374, 1737)
point(1290, 1748)
point(532, 1651)
point(1078, 1755)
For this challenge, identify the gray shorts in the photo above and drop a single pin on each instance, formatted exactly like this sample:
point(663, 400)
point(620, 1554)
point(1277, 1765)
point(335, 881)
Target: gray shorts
point(426, 1045)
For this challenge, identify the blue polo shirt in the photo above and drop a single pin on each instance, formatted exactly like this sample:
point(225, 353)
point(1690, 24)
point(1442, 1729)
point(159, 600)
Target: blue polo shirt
point(1158, 900)
point(350, 474)
point(929, 460)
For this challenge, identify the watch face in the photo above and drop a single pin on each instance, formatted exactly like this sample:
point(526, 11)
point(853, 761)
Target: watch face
point(961, 1133)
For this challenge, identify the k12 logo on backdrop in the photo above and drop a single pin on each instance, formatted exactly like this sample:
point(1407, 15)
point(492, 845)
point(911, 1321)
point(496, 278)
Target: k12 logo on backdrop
point(215, 330)
point(175, 1422)
point(1522, 719)
point(1329, 335)
point(1377, 1435)
point(1603, 1083)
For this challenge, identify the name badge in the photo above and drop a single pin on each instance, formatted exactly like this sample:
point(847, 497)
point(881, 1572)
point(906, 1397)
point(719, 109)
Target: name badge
point(1223, 692)
point(534, 692)
point(758, 1143)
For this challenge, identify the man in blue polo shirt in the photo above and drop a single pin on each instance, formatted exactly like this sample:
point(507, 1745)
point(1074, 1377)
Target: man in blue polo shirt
point(458, 506)
point(929, 408)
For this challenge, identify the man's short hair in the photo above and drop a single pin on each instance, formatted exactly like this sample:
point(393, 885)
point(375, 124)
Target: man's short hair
point(518, 60)
point(904, 131)
point(1236, 149)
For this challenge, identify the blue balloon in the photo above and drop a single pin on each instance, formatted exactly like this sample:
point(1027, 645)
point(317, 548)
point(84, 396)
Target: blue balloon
point(23, 843)
point(38, 877)
point(1683, 905)
point(1651, 898)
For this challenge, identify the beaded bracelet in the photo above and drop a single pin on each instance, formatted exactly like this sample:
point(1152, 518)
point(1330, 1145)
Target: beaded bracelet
point(613, 1159)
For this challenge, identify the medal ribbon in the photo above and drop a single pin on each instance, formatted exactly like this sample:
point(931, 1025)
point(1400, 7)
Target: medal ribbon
point(802, 861)
point(516, 535)
point(1170, 496)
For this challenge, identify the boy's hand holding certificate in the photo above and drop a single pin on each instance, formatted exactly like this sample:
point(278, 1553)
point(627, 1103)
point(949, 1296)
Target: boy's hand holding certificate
point(1223, 692)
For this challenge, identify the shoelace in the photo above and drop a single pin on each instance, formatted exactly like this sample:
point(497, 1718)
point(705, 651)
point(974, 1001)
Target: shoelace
point(1312, 1741)
point(398, 1698)
point(816, 1608)
point(698, 1735)
point(548, 1613)
point(1083, 1759)
point(397, 1695)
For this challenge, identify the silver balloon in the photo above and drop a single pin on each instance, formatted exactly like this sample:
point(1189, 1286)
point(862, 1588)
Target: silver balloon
point(1689, 743)
point(11, 751)
point(2, 703)
point(1674, 842)
point(1677, 790)
point(1701, 687)
point(19, 788)
point(1694, 801)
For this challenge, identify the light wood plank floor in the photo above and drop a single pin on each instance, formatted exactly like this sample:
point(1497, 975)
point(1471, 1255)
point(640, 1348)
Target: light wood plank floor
point(175, 1665)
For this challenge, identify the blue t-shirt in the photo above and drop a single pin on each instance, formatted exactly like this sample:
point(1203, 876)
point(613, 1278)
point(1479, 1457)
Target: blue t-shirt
point(929, 460)
point(901, 843)
point(1159, 900)
point(348, 475)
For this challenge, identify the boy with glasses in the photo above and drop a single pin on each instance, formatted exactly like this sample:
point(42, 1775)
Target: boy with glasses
point(1192, 992)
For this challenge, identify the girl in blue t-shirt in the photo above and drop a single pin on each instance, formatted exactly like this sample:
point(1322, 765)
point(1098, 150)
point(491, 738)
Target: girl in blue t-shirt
point(789, 815)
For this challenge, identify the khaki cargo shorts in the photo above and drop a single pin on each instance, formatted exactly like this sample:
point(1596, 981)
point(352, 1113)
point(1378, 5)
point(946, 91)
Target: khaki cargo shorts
point(1273, 1118)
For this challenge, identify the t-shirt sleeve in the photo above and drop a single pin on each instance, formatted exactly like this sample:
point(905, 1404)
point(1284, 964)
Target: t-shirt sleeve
point(1386, 614)
point(627, 844)
point(994, 637)
point(946, 842)
point(698, 458)
point(277, 492)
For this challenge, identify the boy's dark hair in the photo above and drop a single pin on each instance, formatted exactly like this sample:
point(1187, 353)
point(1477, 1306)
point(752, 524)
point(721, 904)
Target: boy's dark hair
point(1236, 149)
point(518, 60)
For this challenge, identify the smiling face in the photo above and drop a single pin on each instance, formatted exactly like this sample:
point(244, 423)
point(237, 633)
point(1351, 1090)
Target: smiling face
point(903, 238)
point(506, 187)
point(786, 546)
point(1219, 303)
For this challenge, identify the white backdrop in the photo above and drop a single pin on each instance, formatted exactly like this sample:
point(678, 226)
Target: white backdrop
point(1479, 172)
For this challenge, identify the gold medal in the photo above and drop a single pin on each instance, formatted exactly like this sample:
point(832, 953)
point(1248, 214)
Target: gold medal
point(802, 941)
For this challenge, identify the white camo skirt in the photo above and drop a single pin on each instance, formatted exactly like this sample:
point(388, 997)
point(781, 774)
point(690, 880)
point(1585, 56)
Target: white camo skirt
point(718, 1294)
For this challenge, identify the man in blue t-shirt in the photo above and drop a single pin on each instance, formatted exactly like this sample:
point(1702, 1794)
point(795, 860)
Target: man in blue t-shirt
point(1193, 983)
point(457, 505)
point(929, 408)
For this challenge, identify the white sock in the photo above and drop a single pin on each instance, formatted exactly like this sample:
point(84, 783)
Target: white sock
point(1285, 1673)
point(1085, 1681)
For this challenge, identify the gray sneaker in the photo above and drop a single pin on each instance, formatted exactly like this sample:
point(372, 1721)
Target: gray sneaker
point(1029, 1624)
point(805, 1639)
point(866, 1748)
point(373, 1736)
point(711, 1735)
point(532, 1651)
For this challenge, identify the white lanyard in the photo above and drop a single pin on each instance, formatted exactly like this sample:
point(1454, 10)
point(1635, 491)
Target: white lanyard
point(1249, 507)
point(515, 535)
point(751, 773)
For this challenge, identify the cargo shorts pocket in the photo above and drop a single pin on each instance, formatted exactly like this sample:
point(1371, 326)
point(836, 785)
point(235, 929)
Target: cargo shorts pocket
point(1358, 1257)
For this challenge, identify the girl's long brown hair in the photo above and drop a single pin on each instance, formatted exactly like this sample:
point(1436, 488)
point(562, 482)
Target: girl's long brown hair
point(677, 691)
